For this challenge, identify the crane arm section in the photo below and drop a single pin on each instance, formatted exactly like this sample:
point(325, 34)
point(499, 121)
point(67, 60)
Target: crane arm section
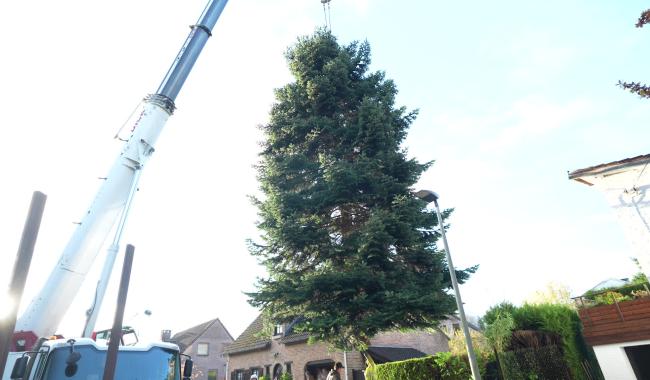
point(43, 315)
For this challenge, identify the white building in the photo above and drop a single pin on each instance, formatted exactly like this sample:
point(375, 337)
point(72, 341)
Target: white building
point(625, 184)
point(620, 334)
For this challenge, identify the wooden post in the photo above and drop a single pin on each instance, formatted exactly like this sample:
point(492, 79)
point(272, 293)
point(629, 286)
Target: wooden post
point(116, 331)
point(19, 274)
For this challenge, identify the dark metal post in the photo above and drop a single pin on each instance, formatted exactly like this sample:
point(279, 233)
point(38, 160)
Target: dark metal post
point(19, 274)
point(116, 331)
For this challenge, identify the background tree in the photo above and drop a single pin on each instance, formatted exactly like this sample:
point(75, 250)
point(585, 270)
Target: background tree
point(554, 293)
point(350, 251)
point(635, 87)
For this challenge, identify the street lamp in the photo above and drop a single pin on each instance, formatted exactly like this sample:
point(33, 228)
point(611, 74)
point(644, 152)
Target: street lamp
point(429, 196)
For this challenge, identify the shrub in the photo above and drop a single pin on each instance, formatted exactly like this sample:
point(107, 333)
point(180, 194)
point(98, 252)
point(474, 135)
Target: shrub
point(499, 331)
point(501, 309)
point(371, 369)
point(620, 291)
point(413, 369)
point(639, 278)
point(563, 321)
point(482, 349)
point(452, 367)
point(535, 363)
point(559, 319)
point(442, 366)
point(610, 298)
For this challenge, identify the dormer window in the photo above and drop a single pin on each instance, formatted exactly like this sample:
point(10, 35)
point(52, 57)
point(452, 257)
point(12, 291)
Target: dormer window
point(278, 330)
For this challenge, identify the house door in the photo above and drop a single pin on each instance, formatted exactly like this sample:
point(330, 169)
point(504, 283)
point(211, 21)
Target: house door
point(277, 372)
point(318, 370)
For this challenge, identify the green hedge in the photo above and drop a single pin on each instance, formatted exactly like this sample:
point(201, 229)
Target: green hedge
point(559, 319)
point(442, 366)
point(535, 363)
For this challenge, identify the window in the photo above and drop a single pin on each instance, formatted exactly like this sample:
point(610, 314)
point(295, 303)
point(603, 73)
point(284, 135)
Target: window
point(212, 374)
point(131, 364)
point(288, 366)
point(202, 349)
point(278, 330)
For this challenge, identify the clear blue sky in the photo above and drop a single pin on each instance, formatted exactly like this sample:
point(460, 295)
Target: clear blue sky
point(511, 94)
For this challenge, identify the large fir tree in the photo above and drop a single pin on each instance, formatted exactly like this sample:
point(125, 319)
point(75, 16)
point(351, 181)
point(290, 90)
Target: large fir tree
point(349, 249)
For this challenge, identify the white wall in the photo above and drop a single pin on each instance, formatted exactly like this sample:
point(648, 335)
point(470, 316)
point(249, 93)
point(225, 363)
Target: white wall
point(628, 193)
point(613, 360)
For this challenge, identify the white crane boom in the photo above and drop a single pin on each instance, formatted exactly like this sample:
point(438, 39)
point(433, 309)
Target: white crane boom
point(43, 315)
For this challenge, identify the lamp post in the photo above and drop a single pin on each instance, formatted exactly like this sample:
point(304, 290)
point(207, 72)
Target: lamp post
point(429, 196)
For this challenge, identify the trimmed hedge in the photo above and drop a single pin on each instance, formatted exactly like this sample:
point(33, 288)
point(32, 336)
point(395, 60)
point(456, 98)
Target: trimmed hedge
point(535, 363)
point(554, 318)
point(442, 366)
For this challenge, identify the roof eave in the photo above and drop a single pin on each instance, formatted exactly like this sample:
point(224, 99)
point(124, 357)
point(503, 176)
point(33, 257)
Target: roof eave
point(242, 350)
point(608, 167)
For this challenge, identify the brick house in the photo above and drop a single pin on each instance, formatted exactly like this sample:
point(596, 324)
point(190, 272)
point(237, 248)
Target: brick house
point(253, 352)
point(205, 344)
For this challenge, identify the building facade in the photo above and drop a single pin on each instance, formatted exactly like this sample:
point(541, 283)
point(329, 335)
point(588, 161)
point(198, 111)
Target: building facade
point(620, 333)
point(285, 351)
point(205, 343)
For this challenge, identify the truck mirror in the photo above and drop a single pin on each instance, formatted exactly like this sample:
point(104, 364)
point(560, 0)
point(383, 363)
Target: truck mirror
point(18, 372)
point(187, 369)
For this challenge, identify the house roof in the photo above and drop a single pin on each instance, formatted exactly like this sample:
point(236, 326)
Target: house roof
point(611, 283)
point(294, 338)
point(250, 340)
point(393, 354)
point(470, 324)
point(253, 339)
point(186, 338)
point(608, 167)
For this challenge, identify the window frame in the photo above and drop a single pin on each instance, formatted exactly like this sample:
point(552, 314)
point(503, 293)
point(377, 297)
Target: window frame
point(207, 349)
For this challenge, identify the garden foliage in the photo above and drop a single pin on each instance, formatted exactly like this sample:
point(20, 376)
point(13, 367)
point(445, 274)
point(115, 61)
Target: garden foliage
point(637, 288)
point(442, 366)
point(545, 362)
point(559, 325)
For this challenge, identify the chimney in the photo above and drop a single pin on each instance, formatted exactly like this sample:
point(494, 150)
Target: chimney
point(166, 335)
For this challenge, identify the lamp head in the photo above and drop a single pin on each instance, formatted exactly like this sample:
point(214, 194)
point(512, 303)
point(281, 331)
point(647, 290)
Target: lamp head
point(427, 195)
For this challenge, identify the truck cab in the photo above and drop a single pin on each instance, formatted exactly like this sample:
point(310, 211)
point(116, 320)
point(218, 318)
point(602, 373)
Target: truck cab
point(84, 359)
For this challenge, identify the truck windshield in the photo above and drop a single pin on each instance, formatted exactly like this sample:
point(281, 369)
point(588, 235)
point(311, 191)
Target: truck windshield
point(154, 364)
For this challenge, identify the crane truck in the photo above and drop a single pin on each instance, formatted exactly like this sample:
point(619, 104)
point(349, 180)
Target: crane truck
point(33, 355)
